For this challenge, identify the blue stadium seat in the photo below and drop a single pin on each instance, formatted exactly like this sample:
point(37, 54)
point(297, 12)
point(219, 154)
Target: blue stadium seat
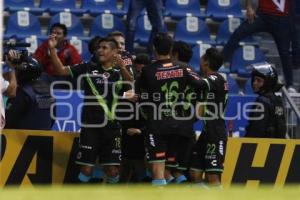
point(82, 48)
point(221, 9)
point(22, 24)
point(178, 9)
point(106, 23)
point(34, 43)
point(192, 30)
point(18, 5)
point(248, 88)
point(198, 51)
point(143, 30)
point(226, 28)
point(56, 6)
point(96, 7)
point(72, 22)
point(243, 57)
point(233, 85)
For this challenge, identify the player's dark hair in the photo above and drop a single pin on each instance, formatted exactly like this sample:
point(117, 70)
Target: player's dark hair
point(94, 44)
point(214, 58)
point(143, 59)
point(112, 42)
point(184, 51)
point(116, 33)
point(163, 43)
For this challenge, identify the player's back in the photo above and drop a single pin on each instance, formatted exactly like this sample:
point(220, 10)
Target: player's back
point(162, 84)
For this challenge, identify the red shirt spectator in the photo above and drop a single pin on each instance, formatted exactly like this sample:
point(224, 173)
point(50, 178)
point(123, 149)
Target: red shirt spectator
point(274, 7)
point(66, 52)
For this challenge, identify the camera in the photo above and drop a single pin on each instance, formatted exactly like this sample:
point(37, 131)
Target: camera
point(19, 47)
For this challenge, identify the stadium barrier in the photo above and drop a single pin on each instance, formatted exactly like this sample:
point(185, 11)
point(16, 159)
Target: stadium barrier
point(47, 157)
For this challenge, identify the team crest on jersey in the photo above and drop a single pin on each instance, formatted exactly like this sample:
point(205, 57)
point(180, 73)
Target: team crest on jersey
point(79, 155)
point(106, 75)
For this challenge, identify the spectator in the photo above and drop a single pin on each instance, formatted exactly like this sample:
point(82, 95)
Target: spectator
point(270, 123)
point(66, 52)
point(272, 17)
point(100, 132)
point(296, 33)
point(30, 109)
point(155, 14)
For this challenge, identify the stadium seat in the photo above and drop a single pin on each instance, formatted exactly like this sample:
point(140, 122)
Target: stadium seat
point(56, 6)
point(82, 48)
point(143, 30)
point(221, 9)
point(243, 57)
point(198, 51)
point(72, 22)
point(233, 85)
point(227, 27)
point(178, 9)
point(106, 23)
point(34, 43)
point(96, 7)
point(248, 88)
point(22, 24)
point(19, 5)
point(192, 30)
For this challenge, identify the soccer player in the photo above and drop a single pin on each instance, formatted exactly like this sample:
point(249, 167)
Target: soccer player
point(161, 85)
point(100, 132)
point(175, 172)
point(209, 153)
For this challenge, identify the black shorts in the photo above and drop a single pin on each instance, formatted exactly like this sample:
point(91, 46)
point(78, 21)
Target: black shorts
point(103, 144)
point(208, 154)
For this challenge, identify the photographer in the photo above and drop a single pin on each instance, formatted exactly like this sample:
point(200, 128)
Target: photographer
point(30, 108)
point(8, 81)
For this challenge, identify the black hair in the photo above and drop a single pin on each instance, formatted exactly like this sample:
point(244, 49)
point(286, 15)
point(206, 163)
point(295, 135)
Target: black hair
point(113, 43)
point(94, 44)
point(163, 43)
point(143, 59)
point(59, 25)
point(116, 33)
point(184, 51)
point(214, 58)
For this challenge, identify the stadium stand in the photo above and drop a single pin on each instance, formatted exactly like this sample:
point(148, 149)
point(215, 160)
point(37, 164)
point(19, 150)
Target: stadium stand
point(54, 6)
point(192, 30)
point(243, 57)
point(227, 27)
point(22, 24)
point(96, 7)
point(106, 23)
point(220, 10)
point(198, 51)
point(178, 9)
point(19, 5)
point(72, 22)
point(82, 48)
point(232, 84)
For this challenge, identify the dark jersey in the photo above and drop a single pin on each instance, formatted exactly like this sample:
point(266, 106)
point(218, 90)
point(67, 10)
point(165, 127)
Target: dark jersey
point(102, 90)
point(272, 124)
point(31, 107)
point(162, 84)
point(213, 92)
